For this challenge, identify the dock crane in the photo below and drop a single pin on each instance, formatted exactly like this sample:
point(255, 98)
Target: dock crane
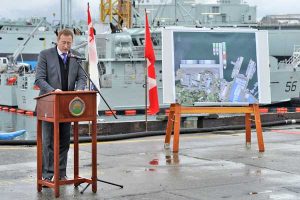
point(116, 12)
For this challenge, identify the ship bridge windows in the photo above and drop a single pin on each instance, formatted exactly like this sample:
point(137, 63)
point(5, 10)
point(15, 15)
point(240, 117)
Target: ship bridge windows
point(223, 18)
point(155, 41)
point(223, 1)
point(135, 42)
point(142, 40)
point(20, 38)
point(215, 9)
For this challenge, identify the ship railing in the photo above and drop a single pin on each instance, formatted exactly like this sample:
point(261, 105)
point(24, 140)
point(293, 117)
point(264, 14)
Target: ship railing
point(294, 60)
point(296, 48)
point(138, 51)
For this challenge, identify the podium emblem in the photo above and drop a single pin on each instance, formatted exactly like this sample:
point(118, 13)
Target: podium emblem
point(77, 107)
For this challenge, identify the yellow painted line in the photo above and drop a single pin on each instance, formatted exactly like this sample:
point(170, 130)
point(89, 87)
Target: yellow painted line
point(16, 148)
point(31, 180)
point(17, 181)
point(6, 182)
point(132, 140)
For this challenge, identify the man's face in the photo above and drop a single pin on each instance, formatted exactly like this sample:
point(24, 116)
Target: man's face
point(64, 43)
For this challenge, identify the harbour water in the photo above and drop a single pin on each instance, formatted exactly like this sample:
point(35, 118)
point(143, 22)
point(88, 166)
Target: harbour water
point(10, 122)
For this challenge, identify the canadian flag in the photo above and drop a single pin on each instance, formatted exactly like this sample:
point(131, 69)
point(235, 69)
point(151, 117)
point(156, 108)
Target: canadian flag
point(93, 58)
point(150, 57)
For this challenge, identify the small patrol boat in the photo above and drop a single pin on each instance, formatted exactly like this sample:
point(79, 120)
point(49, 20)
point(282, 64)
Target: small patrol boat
point(11, 135)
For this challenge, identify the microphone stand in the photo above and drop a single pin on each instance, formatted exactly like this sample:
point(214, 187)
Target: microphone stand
point(79, 61)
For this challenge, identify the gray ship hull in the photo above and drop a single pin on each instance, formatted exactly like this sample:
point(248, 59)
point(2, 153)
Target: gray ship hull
point(8, 95)
point(26, 92)
point(284, 81)
point(25, 99)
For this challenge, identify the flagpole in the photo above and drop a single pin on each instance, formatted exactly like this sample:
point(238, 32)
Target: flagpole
point(146, 87)
point(91, 33)
point(146, 96)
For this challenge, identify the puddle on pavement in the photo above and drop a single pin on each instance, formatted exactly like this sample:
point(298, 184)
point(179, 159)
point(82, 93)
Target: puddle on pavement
point(262, 192)
point(280, 196)
point(283, 197)
point(150, 169)
point(256, 172)
point(168, 158)
point(259, 155)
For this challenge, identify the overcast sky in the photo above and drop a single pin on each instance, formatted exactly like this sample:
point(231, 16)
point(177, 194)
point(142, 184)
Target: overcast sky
point(15, 9)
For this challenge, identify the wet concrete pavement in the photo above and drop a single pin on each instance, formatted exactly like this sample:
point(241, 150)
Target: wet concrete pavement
point(215, 165)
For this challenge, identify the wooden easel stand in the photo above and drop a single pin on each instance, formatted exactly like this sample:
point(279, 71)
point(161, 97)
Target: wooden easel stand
point(176, 110)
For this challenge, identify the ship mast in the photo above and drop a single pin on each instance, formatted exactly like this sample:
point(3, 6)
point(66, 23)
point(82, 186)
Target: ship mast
point(65, 14)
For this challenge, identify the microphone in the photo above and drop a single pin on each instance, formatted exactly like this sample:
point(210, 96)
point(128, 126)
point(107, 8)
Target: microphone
point(70, 55)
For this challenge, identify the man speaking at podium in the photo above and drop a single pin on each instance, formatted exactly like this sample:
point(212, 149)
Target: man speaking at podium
point(56, 72)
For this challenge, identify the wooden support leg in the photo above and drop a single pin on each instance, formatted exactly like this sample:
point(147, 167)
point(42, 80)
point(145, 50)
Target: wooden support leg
point(169, 126)
point(94, 156)
point(176, 128)
point(56, 159)
point(260, 138)
point(39, 147)
point(248, 128)
point(76, 152)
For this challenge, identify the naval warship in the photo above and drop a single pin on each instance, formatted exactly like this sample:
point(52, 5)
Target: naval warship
point(121, 50)
point(20, 44)
point(121, 54)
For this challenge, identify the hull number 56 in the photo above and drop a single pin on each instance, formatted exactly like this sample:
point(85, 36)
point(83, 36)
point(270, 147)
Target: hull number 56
point(291, 86)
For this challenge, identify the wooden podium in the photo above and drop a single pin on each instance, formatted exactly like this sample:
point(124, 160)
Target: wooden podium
point(71, 106)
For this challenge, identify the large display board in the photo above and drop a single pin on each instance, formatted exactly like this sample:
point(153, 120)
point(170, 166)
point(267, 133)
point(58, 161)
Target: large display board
point(203, 66)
